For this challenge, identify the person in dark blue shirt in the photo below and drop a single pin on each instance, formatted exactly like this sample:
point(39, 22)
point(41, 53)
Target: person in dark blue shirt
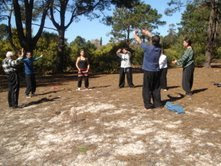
point(29, 74)
point(151, 78)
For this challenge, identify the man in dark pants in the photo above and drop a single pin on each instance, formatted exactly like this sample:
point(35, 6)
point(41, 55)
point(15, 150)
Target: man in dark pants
point(9, 67)
point(29, 74)
point(151, 78)
point(125, 67)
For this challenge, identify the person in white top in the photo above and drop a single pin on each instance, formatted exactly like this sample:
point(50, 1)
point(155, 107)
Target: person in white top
point(125, 67)
point(163, 71)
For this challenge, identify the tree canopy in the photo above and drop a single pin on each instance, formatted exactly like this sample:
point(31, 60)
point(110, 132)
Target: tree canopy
point(125, 20)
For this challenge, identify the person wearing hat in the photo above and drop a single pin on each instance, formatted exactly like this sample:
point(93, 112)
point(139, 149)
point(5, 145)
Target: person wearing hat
point(9, 66)
point(125, 67)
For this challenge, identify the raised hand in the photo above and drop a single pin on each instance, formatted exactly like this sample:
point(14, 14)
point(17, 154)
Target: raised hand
point(146, 32)
point(119, 50)
point(174, 61)
point(22, 52)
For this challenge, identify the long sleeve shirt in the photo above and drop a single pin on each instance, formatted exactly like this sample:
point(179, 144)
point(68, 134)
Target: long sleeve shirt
point(187, 58)
point(9, 65)
point(125, 60)
point(28, 65)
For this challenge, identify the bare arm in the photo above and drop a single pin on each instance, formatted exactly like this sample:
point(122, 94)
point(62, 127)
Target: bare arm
point(137, 38)
point(129, 53)
point(76, 64)
point(118, 52)
point(88, 67)
point(147, 33)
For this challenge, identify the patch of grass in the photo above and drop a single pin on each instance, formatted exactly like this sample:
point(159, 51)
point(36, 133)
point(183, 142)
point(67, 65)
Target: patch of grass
point(82, 149)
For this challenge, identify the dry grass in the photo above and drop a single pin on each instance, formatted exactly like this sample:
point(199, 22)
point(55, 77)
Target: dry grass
point(109, 126)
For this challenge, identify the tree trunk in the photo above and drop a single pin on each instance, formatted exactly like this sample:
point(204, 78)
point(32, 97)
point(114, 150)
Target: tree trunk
point(211, 34)
point(25, 34)
point(60, 59)
point(9, 29)
point(128, 34)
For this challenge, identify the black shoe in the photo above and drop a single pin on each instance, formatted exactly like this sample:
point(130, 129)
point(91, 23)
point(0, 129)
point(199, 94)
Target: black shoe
point(159, 106)
point(15, 107)
point(149, 106)
point(132, 86)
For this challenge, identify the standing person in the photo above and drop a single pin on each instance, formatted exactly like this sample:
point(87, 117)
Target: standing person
point(163, 71)
point(125, 67)
point(29, 74)
point(151, 77)
point(9, 66)
point(83, 67)
point(187, 62)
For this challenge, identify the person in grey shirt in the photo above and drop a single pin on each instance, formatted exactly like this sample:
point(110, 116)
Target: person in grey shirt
point(125, 67)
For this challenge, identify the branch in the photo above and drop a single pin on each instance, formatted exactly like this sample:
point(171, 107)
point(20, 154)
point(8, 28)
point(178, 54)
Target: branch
point(37, 36)
point(6, 6)
point(10, 32)
point(86, 10)
point(71, 19)
point(18, 22)
point(52, 17)
point(45, 27)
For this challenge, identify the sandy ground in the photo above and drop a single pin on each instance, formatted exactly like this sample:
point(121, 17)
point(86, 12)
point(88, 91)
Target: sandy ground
point(109, 126)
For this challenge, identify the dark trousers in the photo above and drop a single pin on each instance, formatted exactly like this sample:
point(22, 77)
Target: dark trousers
point(86, 81)
point(127, 71)
point(187, 81)
point(151, 89)
point(30, 83)
point(13, 89)
point(163, 78)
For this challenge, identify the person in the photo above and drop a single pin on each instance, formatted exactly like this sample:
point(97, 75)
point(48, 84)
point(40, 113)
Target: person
point(187, 62)
point(125, 67)
point(163, 71)
point(30, 74)
point(83, 67)
point(10, 68)
point(151, 77)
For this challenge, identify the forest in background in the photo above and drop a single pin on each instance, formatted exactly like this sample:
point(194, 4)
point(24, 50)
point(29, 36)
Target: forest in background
point(200, 21)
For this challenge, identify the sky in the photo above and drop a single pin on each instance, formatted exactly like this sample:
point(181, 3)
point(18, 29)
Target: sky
point(94, 29)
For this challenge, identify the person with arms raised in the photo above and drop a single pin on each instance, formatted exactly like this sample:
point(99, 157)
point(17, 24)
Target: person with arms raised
point(151, 77)
point(10, 68)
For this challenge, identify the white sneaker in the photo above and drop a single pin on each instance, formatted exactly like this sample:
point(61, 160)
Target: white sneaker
point(32, 95)
point(28, 96)
point(78, 89)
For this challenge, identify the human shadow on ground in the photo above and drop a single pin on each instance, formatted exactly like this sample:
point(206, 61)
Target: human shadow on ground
point(138, 86)
point(173, 98)
point(172, 87)
point(49, 92)
point(98, 87)
point(199, 90)
point(43, 100)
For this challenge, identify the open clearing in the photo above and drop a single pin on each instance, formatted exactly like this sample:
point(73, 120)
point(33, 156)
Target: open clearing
point(109, 126)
